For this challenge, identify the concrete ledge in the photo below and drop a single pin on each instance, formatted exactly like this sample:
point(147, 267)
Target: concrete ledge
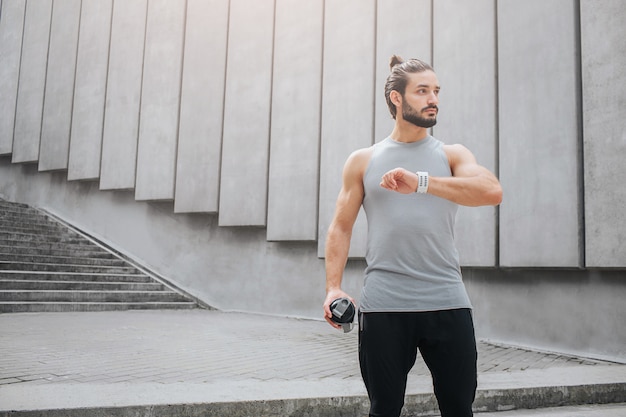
point(530, 398)
point(422, 404)
point(330, 397)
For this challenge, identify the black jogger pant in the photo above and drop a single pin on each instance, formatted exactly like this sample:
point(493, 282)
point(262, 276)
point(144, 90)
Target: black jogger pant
point(388, 344)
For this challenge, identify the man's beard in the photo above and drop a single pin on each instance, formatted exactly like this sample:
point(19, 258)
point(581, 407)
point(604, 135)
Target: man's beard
point(410, 115)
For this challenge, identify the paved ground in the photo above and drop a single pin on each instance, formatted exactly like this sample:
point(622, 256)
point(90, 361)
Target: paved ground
point(213, 360)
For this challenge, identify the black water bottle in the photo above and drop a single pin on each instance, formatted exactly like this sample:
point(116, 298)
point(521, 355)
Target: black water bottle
point(343, 312)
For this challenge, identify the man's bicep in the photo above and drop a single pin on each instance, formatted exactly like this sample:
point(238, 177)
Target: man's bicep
point(350, 196)
point(348, 204)
point(463, 163)
point(467, 170)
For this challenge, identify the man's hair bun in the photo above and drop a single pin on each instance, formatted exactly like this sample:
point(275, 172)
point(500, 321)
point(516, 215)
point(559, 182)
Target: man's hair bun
point(395, 60)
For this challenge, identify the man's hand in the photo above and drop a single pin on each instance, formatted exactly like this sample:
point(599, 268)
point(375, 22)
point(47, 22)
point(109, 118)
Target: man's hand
point(331, 296)
point(400, 180)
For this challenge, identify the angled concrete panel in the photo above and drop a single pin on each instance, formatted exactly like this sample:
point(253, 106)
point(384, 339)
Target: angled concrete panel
point(403, 27)
point(244, 173)
point(30, 95)
point(539, 134)
point(90, 90)
point(347, 104)
point(201, 108)
point(603, 35)
point(160, 100)
point(295, 135)
point(57, 109)
point(11, 31)
point(465, 62)
point(121, 114)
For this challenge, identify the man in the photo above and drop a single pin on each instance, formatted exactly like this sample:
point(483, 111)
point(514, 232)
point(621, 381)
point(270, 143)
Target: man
point(413, 298)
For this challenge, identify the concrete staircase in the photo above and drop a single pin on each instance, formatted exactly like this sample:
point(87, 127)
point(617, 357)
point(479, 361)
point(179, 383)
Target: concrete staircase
point(45, 266)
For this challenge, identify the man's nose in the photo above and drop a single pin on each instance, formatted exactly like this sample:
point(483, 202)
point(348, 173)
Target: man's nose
point(433, 99)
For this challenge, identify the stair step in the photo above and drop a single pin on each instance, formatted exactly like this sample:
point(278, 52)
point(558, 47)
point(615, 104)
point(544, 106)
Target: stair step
point(72, 276)
point(29, 226)
point(49, 285)
point(54, 307)
point(11, 207)
point(12, 204)
point(90, 296)
point(74, 260)
point(81, 251)
point(10, 237)
point(8, 219)
point(32, 266)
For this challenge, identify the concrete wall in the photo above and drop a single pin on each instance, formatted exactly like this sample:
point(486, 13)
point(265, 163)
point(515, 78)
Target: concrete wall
point(11, 35)
point(59, 93)
point(245, 140)
point(469, 69)
point(347, 103)
point(160, 100)
point(294, 150)
point(219, 129)
point(121, 126)
point(604, 131)
point(578, 311)
point(202, 92)
point(539, 133)
point(85, 152)
point(32, 80)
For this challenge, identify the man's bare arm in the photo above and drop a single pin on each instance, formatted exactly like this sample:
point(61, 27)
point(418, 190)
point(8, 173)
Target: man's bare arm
point(470, 184)
point(340, 231)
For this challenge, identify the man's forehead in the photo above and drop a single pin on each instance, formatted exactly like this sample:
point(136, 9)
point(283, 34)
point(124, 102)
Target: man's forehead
point(424, 78)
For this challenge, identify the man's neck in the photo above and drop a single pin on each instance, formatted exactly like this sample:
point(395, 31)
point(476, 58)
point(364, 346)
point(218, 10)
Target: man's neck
point(407, 132)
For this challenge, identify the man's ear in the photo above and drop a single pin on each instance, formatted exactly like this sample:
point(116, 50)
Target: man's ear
point(396, 98)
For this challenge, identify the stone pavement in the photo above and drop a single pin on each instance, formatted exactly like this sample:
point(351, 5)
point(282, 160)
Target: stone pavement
point(211, 363)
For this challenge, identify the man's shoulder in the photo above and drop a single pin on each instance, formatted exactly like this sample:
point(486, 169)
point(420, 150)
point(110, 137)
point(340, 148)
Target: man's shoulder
point(359, 160)
point(457, 155)
point(361, 155)
point(455, 147)
point(456, 150)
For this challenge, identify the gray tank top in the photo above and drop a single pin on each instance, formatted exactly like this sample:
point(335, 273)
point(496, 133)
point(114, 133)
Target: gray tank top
point(412, 261)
